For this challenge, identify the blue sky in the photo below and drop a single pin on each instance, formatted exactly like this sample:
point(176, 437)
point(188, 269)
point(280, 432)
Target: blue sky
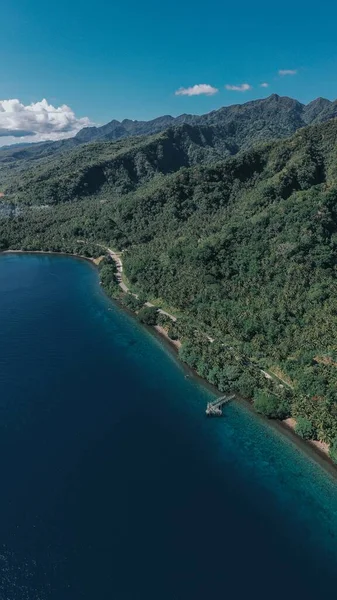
point(127, 59)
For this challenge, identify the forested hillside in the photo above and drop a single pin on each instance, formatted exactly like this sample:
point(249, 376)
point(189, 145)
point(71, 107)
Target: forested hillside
point(111, 169)
point(243, 247)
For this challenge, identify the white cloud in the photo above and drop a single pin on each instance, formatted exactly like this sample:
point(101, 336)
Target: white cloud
point(197, 90)
point(243, 87)
point(284, 72)
point(37, 122)
point(264, 85)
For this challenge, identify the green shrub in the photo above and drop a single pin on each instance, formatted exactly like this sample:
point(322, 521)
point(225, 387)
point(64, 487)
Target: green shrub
point(148, 315)
point(107, 272)
point(131, 302)
point(305, 428)
point(164, 320)
point(245, 385)
point(172, 332)
point(268, 405)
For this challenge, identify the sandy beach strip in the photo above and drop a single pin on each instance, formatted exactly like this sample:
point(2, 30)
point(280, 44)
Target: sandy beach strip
point(321, 446)
point(163, 332)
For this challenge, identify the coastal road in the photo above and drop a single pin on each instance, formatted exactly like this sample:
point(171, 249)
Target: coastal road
point(116, 257)
point(118, 261)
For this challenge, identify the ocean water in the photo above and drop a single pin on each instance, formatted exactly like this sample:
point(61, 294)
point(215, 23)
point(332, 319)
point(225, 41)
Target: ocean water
point(114, 484)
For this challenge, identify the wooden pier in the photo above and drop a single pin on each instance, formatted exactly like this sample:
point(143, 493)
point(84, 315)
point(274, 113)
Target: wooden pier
point(214, 409)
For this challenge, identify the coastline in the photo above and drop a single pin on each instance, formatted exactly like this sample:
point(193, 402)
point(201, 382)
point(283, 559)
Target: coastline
point(90, 259)
point(320, 447)
point(317, 451)
point(175, 343)
point(313, 448)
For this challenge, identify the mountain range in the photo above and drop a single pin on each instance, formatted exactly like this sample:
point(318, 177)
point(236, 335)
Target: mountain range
point(119, 157)
point(274, 113)
point(272, 117)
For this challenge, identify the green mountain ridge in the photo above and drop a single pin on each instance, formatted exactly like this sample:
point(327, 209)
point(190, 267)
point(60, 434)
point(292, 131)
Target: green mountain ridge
point(273, 117)
point(115, 168)
point(294, 112)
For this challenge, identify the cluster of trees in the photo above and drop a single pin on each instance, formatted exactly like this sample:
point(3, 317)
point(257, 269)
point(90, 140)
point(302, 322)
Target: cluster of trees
point(148, 315)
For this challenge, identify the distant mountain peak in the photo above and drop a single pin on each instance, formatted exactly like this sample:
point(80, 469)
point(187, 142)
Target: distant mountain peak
point(319, 101)
point(319, 110)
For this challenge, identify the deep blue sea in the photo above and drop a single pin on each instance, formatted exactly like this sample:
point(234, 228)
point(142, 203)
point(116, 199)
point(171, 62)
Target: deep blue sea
point(114, 484)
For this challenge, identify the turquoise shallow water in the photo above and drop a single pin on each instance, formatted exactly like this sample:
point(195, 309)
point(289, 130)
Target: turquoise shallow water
point(114, 485)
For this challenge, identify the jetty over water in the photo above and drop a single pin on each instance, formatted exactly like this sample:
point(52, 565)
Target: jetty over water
point(214, 409)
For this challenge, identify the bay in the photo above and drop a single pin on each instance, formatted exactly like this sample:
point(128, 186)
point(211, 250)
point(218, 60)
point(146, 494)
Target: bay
point(114, 485)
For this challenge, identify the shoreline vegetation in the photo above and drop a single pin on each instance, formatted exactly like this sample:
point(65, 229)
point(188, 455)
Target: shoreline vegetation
point(321, 448)
point(96, 261)
point(110, 269)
